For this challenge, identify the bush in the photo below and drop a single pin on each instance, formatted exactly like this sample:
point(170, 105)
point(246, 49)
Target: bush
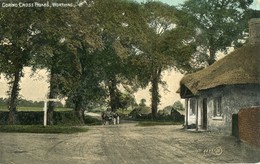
point(92, 121)
point(4, 117)
point(141, 111)
point(22, 118)
point(36, 118)
point(178, 106)
point(3, 101)
point(123, 114)
point(175, 116)
point(27, 103)
point(30, 118)
point(144, 116)
point(65, 118)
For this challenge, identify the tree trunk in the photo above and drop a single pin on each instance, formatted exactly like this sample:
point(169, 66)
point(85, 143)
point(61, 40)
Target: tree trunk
point(79, 112)
point(155, 92)
point(14, 97)
point(112, 94)
point(212, 54)
point(52, 95)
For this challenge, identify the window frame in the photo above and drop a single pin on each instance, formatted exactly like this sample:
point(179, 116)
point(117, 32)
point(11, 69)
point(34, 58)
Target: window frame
point(217, 108)
point(192, 106)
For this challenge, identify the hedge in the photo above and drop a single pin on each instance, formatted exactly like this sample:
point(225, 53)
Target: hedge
point(36, 118)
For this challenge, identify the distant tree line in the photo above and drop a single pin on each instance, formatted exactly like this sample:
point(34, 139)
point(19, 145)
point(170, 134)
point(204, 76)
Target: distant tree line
point(27, 103)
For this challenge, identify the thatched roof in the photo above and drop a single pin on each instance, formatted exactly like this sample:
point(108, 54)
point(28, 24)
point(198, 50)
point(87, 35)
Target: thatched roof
point(241, 66)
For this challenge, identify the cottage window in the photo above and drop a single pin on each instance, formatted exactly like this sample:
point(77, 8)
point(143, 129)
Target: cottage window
point(217, 107)
point(192, 106)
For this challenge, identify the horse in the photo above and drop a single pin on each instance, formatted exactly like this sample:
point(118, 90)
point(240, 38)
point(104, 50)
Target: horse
point(107, 117)
point(110, 118)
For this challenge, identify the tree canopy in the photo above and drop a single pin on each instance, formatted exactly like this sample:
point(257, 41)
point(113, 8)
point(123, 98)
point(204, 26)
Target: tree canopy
point(220, 24)
point(92, 50)
point(164, 46)
point(16, 44)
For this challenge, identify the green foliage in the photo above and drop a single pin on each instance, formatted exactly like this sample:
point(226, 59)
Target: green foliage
point(123, 114)
point(142, 102)
point(16, 44)
point(90, 51)
point(4, 117)
point(36, 118)
point(66, 49)
point(178, 106)
point(24, 118)
point(29, 118)
point(92, 121)
point(3, 101)
point(167, 114)
point(126, 100)
point(66, 118)
point(120, 26)
point(96, 109)
point(28, 103)
point(219, 24)
point(140, 111)
point(167, 110)
point(176, 116)
point(166, 43)
point(16, 39)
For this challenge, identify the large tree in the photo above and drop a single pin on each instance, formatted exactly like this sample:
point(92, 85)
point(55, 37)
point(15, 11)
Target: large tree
point(220, 24)
point(16, 41)
point(87, 79)
point(51, 51)
point(67, 40)
point(167, 44)
point(121, 26)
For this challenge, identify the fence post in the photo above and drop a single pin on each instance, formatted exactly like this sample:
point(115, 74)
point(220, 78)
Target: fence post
point(45, 110)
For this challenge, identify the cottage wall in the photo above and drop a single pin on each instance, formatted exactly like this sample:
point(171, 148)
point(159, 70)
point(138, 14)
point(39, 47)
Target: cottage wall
point(192, 115)
point(238, 87)
point(233, 98)
point(214, 123)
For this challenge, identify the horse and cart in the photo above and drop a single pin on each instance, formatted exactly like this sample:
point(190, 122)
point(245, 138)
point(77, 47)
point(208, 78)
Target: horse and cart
point(109, 118)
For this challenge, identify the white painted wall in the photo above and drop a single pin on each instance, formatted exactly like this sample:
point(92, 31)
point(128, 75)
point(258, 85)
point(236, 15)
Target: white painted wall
point(234, 98)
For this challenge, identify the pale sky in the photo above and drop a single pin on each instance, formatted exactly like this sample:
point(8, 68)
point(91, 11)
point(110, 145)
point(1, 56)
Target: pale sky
point(36, 87)
point(255, 5)
point(170, 2)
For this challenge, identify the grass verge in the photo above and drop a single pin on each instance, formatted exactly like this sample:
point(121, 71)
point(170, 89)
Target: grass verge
point(34, 109)
point(91, 121)
point(41, 129)
point(155, 123)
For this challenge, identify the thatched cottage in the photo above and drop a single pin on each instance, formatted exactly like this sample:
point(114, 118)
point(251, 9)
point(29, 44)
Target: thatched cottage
point(214, 94)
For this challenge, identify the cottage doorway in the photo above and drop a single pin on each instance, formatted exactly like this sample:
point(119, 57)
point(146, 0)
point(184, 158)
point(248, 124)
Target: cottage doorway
point(204, 114)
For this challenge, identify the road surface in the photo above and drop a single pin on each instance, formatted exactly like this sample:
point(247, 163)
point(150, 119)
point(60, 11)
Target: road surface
point(124, 143)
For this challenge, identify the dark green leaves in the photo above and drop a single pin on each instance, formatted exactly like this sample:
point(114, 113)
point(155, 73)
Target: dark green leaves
point(220, 24)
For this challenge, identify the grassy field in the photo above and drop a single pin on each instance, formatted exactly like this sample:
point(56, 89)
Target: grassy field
point(34, 109)
point(124, 112)
point(154, 123)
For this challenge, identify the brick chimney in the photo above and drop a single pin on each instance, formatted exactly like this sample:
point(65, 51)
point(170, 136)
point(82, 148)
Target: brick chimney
point(254, 31)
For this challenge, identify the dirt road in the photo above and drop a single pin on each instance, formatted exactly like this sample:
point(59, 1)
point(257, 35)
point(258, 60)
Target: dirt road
point(125, 143)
